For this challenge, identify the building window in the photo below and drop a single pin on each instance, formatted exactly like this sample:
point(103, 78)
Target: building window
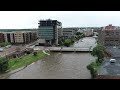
point(117, 33)
point(107, 33)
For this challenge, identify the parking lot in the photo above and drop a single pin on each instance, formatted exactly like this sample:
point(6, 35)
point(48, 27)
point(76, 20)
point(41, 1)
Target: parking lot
point(115, 52)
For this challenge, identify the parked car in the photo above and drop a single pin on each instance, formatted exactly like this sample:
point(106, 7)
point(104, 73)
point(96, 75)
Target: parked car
point(112, 60)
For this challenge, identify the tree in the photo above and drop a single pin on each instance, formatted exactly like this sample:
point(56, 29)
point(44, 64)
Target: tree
point(3, 64)
point(67, 42)
point(3, 44)
point(35, 53)
point(99, 52)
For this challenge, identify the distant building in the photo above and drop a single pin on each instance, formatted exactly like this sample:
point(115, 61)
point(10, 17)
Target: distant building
point(69, 32)
point(50, 31)
point(87, 31)
point(20, 37)
point(15, 30)
point(109, 35)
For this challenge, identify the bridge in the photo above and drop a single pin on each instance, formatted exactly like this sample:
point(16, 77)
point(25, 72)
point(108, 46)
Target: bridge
point(69, 49)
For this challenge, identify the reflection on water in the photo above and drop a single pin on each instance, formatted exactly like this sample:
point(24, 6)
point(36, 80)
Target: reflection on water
point(58, 66)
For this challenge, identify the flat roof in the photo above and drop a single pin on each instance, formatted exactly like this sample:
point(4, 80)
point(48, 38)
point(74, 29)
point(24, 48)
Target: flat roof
point(111, 69)
point(115, 52)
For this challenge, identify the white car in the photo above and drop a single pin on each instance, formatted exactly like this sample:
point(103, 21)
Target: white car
point(112, 60)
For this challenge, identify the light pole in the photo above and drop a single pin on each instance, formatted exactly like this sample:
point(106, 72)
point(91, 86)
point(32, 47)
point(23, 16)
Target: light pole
point(89, 50)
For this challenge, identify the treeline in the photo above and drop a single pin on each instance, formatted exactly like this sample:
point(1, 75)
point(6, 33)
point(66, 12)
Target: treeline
point(99, 52)
point(70, 41)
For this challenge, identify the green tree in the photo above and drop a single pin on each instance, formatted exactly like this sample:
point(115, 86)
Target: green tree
point(79, 35)
point(3, 44)
point(35, 53)
point(67, 42)
point(3, 64)
point(99, 52)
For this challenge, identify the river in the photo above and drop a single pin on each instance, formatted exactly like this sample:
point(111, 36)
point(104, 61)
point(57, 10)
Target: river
point(59, 65)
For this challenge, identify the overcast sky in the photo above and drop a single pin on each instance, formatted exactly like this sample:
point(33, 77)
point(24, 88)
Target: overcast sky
point(29, 19)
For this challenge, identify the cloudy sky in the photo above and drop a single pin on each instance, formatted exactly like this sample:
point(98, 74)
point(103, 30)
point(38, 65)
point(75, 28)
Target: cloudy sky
point(29, 19)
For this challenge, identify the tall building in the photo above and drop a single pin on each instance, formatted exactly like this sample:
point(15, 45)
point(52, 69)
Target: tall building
point(50, 31)
point(109, 35)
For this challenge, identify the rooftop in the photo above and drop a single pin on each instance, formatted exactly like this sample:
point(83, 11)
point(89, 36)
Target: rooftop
point(110, 69)
point(114, 51)
point(111, 27)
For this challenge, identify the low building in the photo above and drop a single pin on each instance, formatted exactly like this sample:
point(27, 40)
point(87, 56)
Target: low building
point(9, 37)
point(20, 37)
point(15, 30)
point(2, 39)
point(69, 32)
point(109, 35)
point(88, 32)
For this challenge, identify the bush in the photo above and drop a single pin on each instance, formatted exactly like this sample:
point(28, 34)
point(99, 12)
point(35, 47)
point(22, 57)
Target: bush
point(3, 44)
point(35, 53)
point(3, 64)
point(67, 42)
point(93, 67)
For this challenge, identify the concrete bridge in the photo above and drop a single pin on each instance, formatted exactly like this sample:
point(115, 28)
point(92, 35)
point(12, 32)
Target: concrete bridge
point(69, 49)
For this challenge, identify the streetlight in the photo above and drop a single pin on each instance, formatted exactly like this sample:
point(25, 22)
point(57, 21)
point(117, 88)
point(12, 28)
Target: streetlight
point(89, 50)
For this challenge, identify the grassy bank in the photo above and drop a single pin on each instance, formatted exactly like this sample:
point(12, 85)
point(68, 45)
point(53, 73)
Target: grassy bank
point(16, 63)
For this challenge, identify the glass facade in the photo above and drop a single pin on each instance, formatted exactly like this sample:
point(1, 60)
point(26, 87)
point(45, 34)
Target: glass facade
point(46, 32)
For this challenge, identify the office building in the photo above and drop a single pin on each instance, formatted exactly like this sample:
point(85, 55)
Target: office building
point(50, 31)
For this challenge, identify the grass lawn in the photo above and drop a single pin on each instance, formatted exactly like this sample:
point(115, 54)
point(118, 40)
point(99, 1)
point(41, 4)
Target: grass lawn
point(16, 63)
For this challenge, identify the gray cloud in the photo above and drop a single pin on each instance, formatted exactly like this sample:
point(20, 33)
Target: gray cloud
point(29, 19)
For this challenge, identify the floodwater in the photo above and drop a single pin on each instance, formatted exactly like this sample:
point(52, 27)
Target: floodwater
point(70, 65)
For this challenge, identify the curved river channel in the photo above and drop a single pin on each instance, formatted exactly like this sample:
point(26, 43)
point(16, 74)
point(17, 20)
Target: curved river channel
point(60, 65)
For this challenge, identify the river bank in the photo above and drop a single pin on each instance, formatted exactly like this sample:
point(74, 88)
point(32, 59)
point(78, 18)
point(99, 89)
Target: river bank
point(18, 64)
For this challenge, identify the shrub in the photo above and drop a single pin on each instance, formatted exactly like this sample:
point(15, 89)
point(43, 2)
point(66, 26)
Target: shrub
point(35, 53)
point(67, 42)
point(93, 67)
point(3, 64)
point(3, 44)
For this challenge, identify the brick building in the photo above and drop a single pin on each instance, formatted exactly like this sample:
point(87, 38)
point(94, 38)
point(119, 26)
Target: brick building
point(109, 35)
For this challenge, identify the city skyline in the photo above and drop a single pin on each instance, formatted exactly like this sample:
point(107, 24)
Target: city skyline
point(29, 19)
